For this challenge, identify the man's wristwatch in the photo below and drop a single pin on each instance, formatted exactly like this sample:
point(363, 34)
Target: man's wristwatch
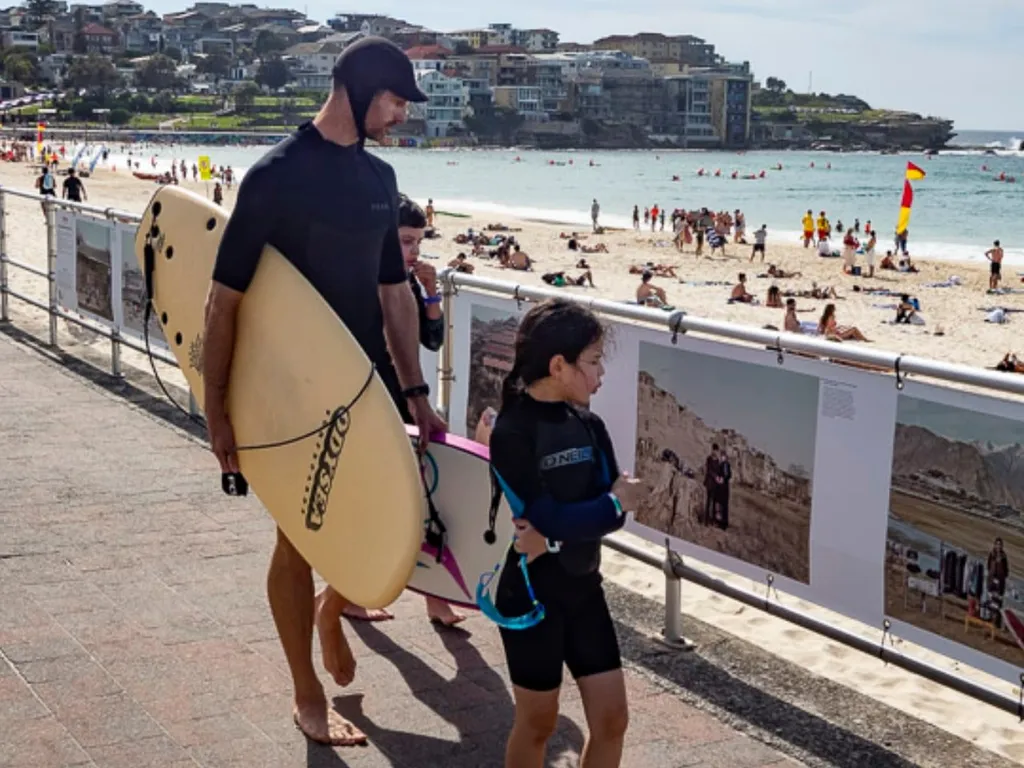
point(423, 390)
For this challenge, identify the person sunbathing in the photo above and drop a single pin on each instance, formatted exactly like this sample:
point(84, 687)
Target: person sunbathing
point(782, 274)
point(519, 260)
point(659, 270)
point(905, 310)
point(460, 264)
point(649, 294)
point(559, 279)
point(572, 235)
point(740, 293)
point(830, 329)
point(1010, 364)
point(774, 298)
point(599, 248)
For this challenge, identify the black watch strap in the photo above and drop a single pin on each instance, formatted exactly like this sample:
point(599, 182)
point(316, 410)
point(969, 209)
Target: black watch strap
point(423, 390)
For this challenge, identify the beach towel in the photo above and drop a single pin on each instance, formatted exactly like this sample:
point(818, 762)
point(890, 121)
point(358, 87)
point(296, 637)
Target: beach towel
point(885, 306)
point(996, 316)
point(809, 327)
point(706, 283)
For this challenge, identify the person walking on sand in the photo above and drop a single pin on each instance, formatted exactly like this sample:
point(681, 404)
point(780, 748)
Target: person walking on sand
point(995, 257)
point(595, 212)
point(636, 217)
point(331, 208)
point(808, 225)
point(760, 237)
point(869, 252)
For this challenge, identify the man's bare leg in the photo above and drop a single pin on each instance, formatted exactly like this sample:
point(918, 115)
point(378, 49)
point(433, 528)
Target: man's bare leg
point(358, 613)
point(334, 648)
point(290, 591)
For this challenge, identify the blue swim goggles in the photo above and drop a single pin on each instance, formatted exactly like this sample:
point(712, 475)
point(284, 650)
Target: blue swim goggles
point(487, 607)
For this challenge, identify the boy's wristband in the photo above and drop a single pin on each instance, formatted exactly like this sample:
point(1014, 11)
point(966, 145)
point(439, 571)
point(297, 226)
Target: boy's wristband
point(432, 300)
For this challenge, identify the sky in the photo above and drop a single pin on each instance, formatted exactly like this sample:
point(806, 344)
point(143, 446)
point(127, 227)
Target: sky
point(775, 410)
point(947, 58)
point(959, 423)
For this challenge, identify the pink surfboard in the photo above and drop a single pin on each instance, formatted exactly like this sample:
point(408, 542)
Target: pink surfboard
point(457, 480)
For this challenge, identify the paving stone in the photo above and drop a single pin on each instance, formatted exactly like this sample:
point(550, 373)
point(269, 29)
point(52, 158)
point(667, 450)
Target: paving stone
point(38, 743)
point(154, 752)
point(107, 720)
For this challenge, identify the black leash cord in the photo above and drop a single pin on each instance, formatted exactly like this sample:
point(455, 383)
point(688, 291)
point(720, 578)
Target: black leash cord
point(337, 416)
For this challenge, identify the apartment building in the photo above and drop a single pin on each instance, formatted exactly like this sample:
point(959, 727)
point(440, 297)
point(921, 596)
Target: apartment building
point(445, 108)
point(538, 40)
point(16, 38)
point(656, 47)
point(524, 99)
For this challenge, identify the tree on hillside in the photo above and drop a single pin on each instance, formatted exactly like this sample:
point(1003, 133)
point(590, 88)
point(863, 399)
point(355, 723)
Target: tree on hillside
point(267, 42)
point(216, 64)
point(245, 96)
point(273, 73)
point(92, 71)
point(37, 12)
point(775, 85)
point(158, 73)
point(21, 67)
point(78, 39)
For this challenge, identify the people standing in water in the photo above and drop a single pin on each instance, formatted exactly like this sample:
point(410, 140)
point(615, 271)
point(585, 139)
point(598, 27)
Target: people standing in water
point(331, 208)
point(556, 465)
point(412, 225)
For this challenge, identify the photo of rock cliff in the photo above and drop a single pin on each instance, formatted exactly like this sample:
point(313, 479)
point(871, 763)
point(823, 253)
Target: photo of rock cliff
point(956, 526)
point(93, 268)
point(492, 341)
point(728, 448)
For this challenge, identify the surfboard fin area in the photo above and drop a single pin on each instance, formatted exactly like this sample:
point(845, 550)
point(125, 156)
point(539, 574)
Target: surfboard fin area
point(321, 442)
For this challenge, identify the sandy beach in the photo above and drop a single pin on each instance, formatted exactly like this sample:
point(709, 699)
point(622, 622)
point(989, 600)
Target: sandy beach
point(955, 329)
point(953, 311)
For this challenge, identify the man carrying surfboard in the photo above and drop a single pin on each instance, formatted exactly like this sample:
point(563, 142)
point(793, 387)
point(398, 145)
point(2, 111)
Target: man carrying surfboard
point(331, 208)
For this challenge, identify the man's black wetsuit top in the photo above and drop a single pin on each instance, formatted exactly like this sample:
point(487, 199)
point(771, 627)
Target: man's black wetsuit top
point(556, 466)
point(431, 331)
point(332, 211)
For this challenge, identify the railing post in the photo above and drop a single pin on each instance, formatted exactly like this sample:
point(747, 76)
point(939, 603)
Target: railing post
point(115, 353)
point(51, 264)
point(444, 384)
point(4, 287)
point(672, 634)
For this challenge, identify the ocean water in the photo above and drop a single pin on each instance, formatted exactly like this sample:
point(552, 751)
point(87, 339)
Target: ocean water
point(959, 208)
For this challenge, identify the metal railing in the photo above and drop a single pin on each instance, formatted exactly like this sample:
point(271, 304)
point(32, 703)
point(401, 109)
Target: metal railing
point(671, 563)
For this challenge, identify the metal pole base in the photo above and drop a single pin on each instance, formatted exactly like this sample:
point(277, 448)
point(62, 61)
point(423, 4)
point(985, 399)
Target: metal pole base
point(672, 634)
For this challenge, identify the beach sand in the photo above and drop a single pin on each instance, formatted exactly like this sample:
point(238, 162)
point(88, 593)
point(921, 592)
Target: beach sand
point(967, 340)
point(954, 312)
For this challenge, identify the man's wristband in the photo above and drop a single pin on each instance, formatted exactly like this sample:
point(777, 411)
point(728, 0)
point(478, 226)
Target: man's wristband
point(423, 390)
point(432, 300)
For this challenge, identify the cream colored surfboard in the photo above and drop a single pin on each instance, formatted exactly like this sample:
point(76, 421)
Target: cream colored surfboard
point(350, 498)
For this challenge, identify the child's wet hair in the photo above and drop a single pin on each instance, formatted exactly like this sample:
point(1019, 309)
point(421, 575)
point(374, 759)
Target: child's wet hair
point(551, 328)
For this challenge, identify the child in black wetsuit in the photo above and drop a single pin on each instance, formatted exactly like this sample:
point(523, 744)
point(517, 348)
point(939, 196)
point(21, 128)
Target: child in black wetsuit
point(555, 463)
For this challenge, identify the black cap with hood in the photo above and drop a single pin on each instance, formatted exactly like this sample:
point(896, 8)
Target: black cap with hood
point(369, 66)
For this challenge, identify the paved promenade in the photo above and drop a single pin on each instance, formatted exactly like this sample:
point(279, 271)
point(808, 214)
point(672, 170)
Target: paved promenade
point(134, 627)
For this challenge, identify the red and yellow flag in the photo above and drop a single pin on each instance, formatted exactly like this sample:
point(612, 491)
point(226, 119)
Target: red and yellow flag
point(914, 173)
point(906, 203)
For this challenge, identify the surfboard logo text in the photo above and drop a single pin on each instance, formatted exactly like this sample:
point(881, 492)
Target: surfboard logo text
point(325, 466)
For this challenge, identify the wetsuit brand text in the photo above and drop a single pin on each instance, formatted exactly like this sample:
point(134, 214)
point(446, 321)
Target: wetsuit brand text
point(321, 478)
point(567, 458)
